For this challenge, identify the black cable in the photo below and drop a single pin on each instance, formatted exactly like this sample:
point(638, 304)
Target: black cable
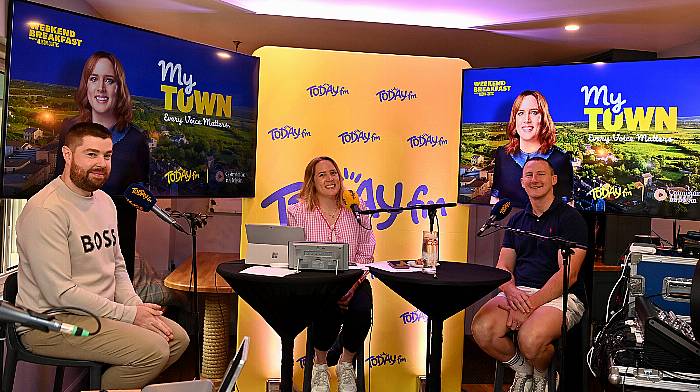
point(68, 309)
point(662, 238)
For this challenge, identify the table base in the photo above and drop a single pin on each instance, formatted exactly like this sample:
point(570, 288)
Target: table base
point(215, 353)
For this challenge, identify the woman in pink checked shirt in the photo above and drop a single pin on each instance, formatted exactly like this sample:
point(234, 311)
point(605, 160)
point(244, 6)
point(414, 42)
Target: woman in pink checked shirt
point(325, 218)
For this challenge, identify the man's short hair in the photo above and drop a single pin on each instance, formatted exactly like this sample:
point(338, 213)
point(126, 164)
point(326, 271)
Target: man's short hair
point(543, 160)
point(76, 133)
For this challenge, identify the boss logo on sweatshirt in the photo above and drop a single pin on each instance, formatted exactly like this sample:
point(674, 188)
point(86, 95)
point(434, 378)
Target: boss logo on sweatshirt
point(106, 239)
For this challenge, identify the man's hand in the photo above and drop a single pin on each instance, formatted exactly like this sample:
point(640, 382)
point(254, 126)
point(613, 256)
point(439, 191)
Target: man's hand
point(149, 316)
point(516, 318)
point(518, 299)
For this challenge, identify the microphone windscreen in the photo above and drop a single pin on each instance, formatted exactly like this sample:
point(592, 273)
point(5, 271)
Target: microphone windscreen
point(350, 198)
point(139, 197)
point(501, 209)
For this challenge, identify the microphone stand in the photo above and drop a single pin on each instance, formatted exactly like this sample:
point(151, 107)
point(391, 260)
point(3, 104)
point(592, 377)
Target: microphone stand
point(567, 250)
point(196, 221)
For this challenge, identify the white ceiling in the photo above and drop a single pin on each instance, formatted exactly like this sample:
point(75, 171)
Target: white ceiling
point(508, 33)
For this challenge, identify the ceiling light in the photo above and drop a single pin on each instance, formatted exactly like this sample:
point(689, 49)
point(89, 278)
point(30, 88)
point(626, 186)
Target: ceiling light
point(572, 27)
point(367, 12)
point(223, 55)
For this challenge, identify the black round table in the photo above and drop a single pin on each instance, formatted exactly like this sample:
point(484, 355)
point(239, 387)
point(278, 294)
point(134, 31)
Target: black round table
point(454, 287)
point(288, 304)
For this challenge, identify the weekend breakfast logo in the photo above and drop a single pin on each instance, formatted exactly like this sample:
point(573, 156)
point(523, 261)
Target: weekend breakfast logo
point(186, 99)
point(52, 36)
point(486, 88)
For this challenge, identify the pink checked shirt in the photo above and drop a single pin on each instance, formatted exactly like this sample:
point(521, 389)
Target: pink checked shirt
point(344, 229)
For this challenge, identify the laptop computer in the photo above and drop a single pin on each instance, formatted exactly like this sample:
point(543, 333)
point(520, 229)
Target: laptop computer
point(268, 244)
point(228, 383)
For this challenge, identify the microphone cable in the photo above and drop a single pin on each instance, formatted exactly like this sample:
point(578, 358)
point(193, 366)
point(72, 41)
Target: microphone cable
point(66, 310)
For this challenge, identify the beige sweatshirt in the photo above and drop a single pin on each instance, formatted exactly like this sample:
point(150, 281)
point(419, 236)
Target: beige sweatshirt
point(69, 254)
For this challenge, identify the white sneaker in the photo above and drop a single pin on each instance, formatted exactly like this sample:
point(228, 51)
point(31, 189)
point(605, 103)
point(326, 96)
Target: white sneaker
point(346, 377)
point(541, 384)
point(521, 383)
point(320, 379)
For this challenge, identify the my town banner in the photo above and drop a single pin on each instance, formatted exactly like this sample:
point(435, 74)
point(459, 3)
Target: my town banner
point(186, 112)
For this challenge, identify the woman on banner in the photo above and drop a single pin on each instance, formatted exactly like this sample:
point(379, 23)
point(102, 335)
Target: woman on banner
point(531, 133)
point(325, 218)
point(103, 98)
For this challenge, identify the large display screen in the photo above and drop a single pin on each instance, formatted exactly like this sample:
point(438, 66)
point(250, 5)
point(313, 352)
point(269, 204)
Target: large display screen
point(183, 115)
point(623, 137)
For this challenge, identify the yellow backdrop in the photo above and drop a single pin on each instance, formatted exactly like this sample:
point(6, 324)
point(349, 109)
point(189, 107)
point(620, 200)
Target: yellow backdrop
point(392, 123)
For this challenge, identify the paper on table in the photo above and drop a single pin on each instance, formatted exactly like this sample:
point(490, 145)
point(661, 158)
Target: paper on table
point(262, 270)
point(383, 265)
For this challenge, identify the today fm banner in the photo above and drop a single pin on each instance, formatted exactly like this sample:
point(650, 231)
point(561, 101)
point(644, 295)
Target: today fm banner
point(392, 124)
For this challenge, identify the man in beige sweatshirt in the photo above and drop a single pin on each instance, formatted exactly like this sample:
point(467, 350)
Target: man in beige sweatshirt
point(69, 256)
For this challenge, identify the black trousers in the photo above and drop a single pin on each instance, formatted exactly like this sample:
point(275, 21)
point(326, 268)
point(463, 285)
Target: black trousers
point(126, 224)
point(355, 321)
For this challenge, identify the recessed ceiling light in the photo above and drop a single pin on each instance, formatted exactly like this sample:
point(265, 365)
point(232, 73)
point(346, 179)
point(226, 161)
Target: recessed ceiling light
point(572, 27)
point(223, 55)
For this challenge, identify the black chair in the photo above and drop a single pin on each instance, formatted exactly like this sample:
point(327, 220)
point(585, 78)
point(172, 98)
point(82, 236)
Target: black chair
point(17, 352)
point(584, 327)
point(358, 362)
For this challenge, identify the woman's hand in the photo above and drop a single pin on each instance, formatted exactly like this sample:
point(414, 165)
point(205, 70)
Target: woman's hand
point(345, 300)
point(518, 299)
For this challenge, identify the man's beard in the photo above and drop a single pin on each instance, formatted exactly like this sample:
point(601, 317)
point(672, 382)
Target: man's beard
point(81, 178)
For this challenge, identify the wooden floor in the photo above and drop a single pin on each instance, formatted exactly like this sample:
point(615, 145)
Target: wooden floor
point(480, 388)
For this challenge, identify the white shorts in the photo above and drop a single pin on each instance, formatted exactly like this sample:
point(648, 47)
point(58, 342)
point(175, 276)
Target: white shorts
point(574, 307)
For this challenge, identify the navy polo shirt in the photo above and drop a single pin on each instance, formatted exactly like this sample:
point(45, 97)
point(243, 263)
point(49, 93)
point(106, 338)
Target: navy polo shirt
point(507, 172)
point(537, 260)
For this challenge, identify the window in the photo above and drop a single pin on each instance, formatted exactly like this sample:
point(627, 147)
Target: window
point(10, 211)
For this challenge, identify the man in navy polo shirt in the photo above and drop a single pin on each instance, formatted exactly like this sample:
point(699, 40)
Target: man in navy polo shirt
point(531, 302)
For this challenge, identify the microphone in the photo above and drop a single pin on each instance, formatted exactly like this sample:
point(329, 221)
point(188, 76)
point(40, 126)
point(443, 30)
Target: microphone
point(37, 320)
point(352, 201)
point(142, 199)
point(499, 211)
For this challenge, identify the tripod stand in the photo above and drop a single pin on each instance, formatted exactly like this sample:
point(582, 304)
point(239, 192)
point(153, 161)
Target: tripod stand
point(195, 221)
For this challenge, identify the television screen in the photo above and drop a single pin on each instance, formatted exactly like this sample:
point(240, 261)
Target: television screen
point(183, 115)
point(623, 137)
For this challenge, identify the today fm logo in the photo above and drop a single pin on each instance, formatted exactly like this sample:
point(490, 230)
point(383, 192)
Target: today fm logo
point(326, 89)
point(413, 317)
point(395, 94)
point(359, 136)
point(426, 140)
point(288, 132)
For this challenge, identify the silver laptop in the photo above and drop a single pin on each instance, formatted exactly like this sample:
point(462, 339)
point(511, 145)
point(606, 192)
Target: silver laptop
point(228, 383)
point(268, 244)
